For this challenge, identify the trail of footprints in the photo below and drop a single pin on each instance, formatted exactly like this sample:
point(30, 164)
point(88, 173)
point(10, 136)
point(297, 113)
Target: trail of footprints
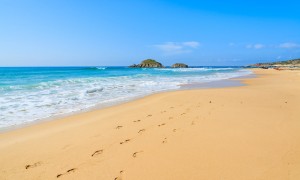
point(100, 151)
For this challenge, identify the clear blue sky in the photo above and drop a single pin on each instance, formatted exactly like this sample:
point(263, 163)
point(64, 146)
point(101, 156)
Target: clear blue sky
point(122, 32)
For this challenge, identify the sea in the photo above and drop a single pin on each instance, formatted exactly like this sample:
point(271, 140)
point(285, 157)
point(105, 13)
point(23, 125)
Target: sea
point(30, 94)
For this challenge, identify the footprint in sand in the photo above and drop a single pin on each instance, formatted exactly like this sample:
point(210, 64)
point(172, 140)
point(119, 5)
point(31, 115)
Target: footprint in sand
point(182, 114)
point(135, 154)
point(126, 141)
point(174, 130)
point(119, 127)
point(163, 111)
point(164, 141)
point(161, 124)
point(97, 152)
point(171, 107)
point(137, 120)
point(149, 115)
point(66, 146)
point(142, 130)
point(33, 165)
point(68, 171)
point(120, 176)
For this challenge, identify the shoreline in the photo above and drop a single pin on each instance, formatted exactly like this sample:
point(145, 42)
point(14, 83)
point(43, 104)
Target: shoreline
point(244, 132)
point(224, 83)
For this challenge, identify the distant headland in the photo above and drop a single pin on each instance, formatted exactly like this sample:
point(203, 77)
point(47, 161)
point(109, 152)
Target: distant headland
point(288, 64)
point(151, 63)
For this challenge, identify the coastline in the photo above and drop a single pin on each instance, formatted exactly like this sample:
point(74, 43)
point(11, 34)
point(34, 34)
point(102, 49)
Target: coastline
point(243, 132)
point(231, 82)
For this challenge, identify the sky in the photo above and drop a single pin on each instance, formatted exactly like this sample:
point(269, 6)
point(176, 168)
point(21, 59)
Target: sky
point(123, 32)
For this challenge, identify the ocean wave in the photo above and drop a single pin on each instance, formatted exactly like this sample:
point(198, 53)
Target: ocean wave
point(95, 68)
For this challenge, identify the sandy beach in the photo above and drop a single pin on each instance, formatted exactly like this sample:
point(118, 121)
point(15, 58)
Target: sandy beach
point(247, 132)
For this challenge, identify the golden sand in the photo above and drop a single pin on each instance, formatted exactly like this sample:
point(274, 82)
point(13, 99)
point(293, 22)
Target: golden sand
point(248, 132)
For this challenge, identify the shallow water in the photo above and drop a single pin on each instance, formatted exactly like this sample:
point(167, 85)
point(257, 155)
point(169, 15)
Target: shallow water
point(32, 93)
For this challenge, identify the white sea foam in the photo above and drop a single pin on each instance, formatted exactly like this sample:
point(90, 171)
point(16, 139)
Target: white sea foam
point(101, 68)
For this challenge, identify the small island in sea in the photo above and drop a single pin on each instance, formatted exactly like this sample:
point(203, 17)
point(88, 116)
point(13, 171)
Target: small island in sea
point(148, 63)
point(179, 65)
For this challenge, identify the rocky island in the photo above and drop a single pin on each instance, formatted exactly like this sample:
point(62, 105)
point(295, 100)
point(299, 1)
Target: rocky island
point(148, 63)
point(179, 65)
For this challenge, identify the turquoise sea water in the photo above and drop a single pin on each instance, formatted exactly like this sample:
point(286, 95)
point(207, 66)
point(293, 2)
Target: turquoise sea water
point(32, 93)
